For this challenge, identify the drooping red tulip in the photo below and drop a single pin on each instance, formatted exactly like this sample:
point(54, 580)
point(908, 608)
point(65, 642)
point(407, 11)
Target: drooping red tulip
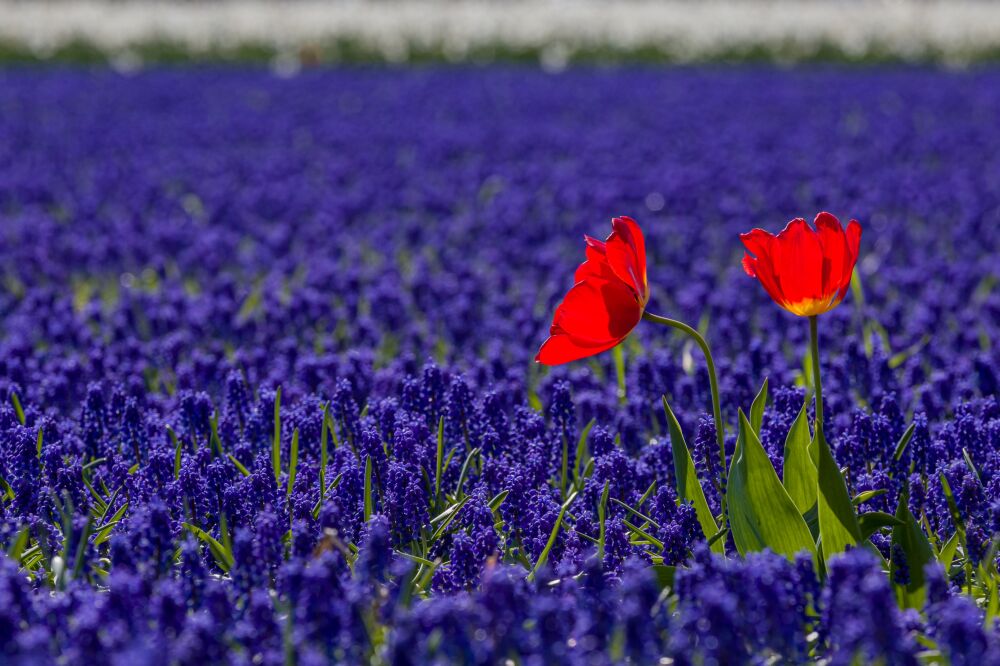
point(806, 271)
point(607, 300)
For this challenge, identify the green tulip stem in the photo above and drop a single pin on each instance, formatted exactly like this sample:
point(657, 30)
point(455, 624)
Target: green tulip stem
point(713, 383)
point(814, 346)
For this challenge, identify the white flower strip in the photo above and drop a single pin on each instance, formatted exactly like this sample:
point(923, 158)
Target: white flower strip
point(687, 30)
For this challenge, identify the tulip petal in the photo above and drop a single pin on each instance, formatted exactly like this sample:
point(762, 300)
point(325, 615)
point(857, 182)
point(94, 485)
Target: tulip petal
point(597, 311)
point(596, 265)
point(796, 258)
point(806, 271)
point(593, 244)
point(626, 251)
point(629, 230)
point(837, 260)
point(560, 349)
point(607, 300)
point(853, 239)
point(757, 242)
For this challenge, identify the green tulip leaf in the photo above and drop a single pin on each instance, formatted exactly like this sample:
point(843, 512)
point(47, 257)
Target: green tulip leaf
point(838, 523)
point(761, 513)
point(799, 471)
point(688, 486)
point(757, 409)
point(917, 550)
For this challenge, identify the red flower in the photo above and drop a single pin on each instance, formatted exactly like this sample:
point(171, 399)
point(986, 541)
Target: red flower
point(805, 271)
point(607, 300)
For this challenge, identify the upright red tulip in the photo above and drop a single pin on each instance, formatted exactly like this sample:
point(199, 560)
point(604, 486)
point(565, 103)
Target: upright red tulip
point(806, 271)
point(607, 300)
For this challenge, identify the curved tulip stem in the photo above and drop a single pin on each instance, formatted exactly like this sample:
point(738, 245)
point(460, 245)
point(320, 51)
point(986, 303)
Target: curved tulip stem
point(713, 384)
point(814, 347)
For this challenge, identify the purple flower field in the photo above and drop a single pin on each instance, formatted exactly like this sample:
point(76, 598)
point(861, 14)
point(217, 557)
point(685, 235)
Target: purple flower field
point(266, 383)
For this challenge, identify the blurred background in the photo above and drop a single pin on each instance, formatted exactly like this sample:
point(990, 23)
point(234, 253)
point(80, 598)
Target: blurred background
point(291, 33)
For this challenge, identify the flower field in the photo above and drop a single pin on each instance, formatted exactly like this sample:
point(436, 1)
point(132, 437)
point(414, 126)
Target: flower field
point(268, 391)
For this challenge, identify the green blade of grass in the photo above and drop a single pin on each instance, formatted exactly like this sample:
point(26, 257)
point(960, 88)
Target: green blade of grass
point(276, 444)
point(368, 488)
point(439, 461)
point(222, 556)
point(243, 470)
point(581, 449)
point(619, 356)
point(602, 515)
point(214, 442)
point(637, 514)
point(323, 453)
point(454, 511)
point(177, 451)
point(293, 462)
point(18, 410)
point(904, 441)
point(552, 537)
point(465, 470)
point(645, 535)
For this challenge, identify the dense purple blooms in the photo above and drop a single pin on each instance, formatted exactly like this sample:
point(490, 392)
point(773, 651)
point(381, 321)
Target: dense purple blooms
point(387, 247)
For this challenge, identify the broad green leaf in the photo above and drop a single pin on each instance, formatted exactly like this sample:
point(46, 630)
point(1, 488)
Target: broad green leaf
point(948, 550)
point(664, 575)
point(871, 522)
point(863, 497)
point(19, 544)
point(688, 486)
point(757, 409)
point(498, 500)
point(799, 471)
point(761, 514)
point(838, 524)
point(917, 549)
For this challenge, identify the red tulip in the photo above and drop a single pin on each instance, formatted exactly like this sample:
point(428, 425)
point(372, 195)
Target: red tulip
point(607, 300)
point(805, 271)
